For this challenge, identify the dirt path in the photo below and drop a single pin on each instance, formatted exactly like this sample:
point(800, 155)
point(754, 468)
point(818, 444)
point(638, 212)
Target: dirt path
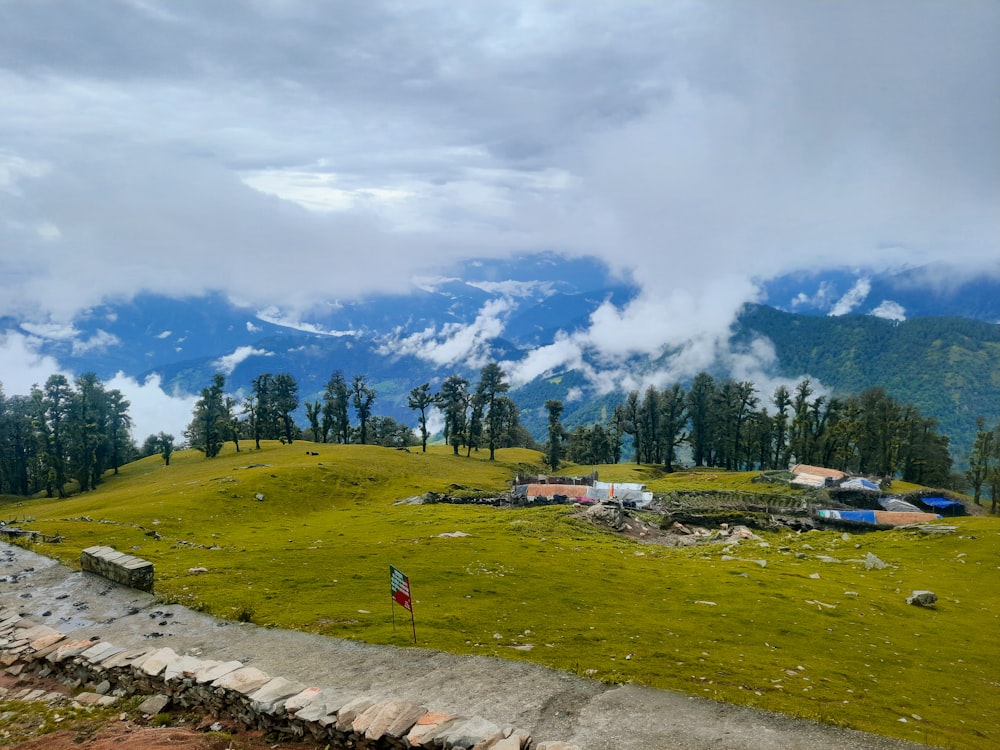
point(549, 704)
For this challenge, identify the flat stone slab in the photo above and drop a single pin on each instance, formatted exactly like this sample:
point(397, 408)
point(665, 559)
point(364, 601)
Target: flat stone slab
point(158, 661)
point(154, 704)
point(274, 693)
point(244, 680)
point(215, 670)
point(392, 719)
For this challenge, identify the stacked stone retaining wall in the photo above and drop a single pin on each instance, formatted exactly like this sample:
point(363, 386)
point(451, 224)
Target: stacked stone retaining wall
point(118, 567)
point(245, 694)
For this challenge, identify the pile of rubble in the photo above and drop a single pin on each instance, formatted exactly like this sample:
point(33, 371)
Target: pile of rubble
point(242, 693)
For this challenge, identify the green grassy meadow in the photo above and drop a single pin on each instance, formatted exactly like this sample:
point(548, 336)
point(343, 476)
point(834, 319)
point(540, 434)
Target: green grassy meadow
point(828, 641)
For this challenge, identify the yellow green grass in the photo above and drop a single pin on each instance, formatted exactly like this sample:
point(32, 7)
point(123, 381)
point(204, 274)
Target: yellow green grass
point(824, 640)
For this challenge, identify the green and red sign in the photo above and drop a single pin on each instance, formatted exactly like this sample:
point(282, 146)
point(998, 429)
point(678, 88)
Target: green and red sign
point(399, 584)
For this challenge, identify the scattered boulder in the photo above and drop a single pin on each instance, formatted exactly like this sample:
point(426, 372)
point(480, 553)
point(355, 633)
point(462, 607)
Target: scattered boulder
point(154, 704)
point(926, 599)
point(871, 562)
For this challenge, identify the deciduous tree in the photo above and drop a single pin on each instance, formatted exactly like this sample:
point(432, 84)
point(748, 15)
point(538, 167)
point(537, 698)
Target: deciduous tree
point(557, 434)
point(209, 424)
point(454, 401)
point(493, 383)
point(421, 399)
point(364, 398)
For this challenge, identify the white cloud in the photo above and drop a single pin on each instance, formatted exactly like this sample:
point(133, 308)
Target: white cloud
point(15, 169)
point(151, 409)
point(565, 352)
point(277, 317)
point(54, 331)
point(890, 311)
point(512, 288)
point(226, 364)
point(21, 364)
point(164, 334)
point(455, 343)
point(698, 147)
point(823, 299)
point(100, 341)
point(854, 297)
point(435, 422)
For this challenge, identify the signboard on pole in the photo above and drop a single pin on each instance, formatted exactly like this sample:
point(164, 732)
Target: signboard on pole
point(399, 584)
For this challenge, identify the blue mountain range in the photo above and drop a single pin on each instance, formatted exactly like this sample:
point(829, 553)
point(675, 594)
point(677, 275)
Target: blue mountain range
point(185, 341)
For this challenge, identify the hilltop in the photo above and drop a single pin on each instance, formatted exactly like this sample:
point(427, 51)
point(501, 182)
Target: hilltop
point(301, 536)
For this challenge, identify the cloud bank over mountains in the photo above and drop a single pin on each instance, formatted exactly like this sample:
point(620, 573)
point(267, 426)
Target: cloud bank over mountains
point(294, 155)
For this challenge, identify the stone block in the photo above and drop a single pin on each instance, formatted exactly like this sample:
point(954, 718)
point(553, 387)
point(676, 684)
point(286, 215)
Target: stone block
point(324, 709)
point(67, 650)
point(392, 719)
point(214, 670)
point(302, 699)
point(118, 567)
point(154, 704)
point(99, 651)
point(351, 710)
point(244, 680)
point(464, 732)
point(158, 661)
point(273, 694)
point(182, 666)
point(426, 725)
point(133, 657)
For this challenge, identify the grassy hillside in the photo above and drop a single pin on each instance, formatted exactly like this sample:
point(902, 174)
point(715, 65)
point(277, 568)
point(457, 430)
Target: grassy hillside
point(770, 625)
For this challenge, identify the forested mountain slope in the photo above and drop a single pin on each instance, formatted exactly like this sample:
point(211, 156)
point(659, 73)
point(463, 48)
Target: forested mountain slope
point(949, 368)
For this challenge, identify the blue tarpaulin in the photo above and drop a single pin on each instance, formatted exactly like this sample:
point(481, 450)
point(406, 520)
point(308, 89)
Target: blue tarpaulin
point(940, 502)
point(863, 516)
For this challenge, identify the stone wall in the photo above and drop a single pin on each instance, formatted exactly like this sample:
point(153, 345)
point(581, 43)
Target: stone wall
point(118, 567)
point(243, 693)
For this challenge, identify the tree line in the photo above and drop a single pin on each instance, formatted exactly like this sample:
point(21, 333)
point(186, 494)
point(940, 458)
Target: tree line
point(62, 434)
point(66, 435)
point(474, 417)
point(724, 424)
point(984, 463)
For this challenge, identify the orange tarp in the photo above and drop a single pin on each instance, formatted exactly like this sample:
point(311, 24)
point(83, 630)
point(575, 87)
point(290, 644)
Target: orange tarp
point(548, 490)
point(896, 518)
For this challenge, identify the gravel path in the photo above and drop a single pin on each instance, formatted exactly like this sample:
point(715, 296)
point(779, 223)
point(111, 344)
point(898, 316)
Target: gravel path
point(549, 704)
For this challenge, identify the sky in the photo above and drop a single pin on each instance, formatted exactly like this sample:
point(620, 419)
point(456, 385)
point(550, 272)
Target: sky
point(293, 152)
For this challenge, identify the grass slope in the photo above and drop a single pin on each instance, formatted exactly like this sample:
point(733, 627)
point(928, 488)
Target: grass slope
point(769, 625)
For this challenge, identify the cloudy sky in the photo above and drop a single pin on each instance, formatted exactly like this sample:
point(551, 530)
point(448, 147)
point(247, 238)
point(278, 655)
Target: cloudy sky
point(290, 152)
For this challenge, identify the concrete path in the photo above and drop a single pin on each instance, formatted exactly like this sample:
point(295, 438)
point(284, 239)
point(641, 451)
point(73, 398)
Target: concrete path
point(549, 704)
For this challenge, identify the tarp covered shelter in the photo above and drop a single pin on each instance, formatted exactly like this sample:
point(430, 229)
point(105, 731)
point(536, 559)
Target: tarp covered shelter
point(859, 483)
point(898, 505)
point(818, 471)
point(947, 507)
point(881, 517)
point(551, 490)
point(631, 493)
